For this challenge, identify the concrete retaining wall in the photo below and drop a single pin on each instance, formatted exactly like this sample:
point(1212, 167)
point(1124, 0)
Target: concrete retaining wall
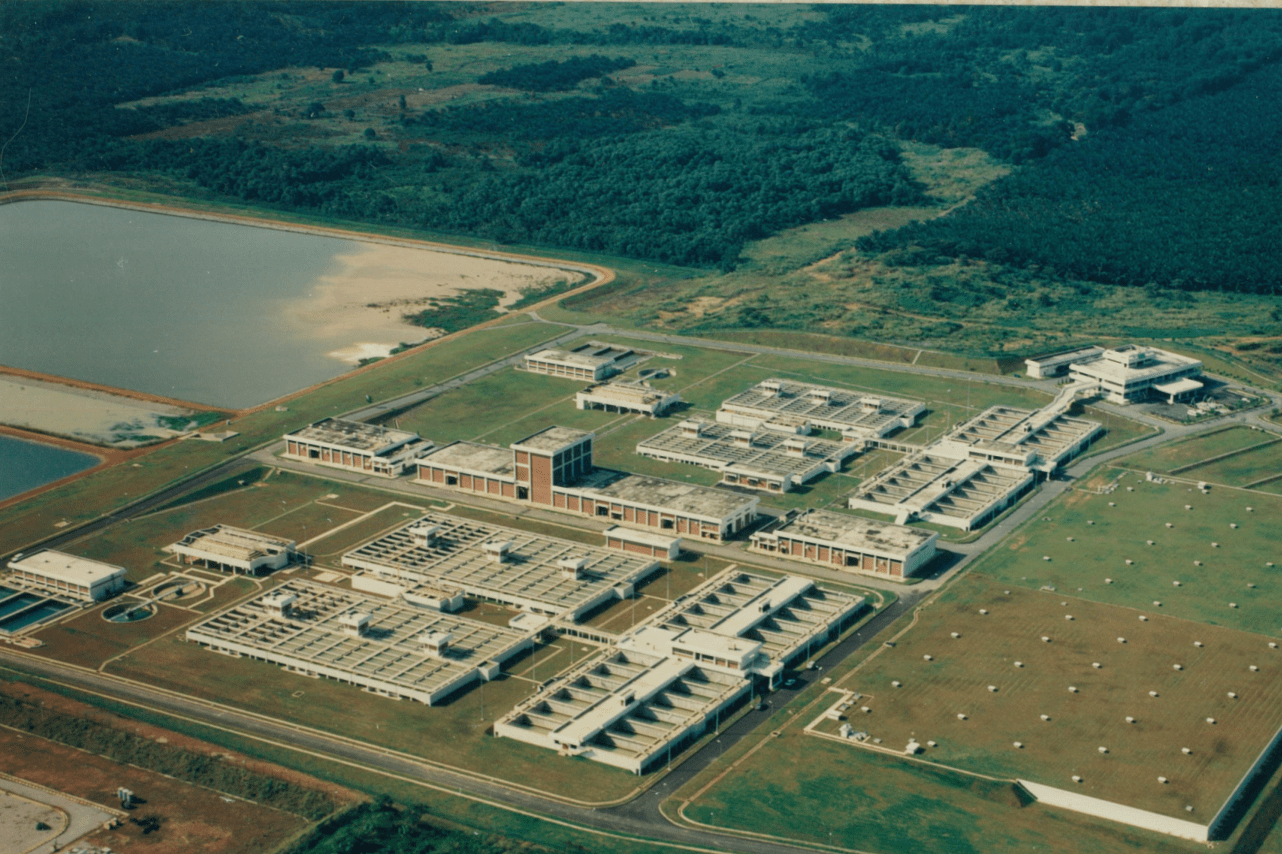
point(1116, 812)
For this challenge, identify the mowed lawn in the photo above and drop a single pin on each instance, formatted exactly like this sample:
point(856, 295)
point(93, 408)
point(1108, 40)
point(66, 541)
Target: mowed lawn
point(1158, 654)
point(285, 504)
point(801, 787)
point(88, 639)
point(1178, 457)
point(1090, 538)
point(1257, 464)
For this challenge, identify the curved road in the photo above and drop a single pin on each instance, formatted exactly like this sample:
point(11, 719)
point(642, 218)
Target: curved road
point(638, 818)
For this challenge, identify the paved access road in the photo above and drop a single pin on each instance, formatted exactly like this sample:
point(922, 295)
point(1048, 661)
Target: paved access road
point(70, 818)
point(640, 817)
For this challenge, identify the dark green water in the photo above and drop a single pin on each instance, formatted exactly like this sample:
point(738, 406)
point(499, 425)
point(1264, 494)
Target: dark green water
point(170, 305)
point(26, 465)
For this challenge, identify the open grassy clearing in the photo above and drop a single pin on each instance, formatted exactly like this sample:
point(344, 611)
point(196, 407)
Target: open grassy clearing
point(227, 592)
point(1261, 462)
point(1188, 452)
point(332, 548)
point(812, 789)
point(1117, 430)
point(281, 503)
point(504, 407)
point(453, 733)
point(1232, 586)
point(955, 680)
point(815, 790)
point(805, 244)
point(88, 640)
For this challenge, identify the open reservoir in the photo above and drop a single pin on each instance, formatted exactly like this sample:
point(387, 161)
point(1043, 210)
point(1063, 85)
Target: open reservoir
point(213, 312)
point(26, 465)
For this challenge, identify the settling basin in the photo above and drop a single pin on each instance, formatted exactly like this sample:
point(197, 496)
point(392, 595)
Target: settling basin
point(26, 465)
point(213, 312)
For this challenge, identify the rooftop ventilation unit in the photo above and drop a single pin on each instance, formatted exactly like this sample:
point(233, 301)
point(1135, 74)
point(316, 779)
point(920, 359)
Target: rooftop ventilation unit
point(796, 447)
point(691, 428)
point(436, 644)
point(819, 395)
point(354, 623)
point(279, 604)
point(572, 567)
point(424, 533)
point(497, 550)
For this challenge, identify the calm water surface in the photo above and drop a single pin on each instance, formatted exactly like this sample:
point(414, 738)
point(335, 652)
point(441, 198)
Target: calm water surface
point(174, 306)
point(26, 465)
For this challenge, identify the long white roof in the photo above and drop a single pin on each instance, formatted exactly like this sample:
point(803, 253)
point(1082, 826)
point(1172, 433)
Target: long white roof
point(69, 568)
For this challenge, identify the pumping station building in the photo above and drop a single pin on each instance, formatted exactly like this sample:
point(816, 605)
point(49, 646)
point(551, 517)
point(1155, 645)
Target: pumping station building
point(554, 468)
point(356, 446)
point(848, 542)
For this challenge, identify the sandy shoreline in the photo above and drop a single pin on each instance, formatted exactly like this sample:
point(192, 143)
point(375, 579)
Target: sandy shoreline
point(364, 300)
point(94, 417)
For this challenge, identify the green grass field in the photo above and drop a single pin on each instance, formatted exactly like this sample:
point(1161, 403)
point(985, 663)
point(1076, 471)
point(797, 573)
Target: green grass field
point(1181, 457)
point(453, 733)
point(825, 793)
point(88, 640)
point(1122, 523)
point(1247, 467)
point(955, 680)
point(283, 503)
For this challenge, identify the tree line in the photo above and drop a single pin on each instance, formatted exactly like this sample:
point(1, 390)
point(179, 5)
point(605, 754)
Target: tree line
point(554, 76)
point(202, 769)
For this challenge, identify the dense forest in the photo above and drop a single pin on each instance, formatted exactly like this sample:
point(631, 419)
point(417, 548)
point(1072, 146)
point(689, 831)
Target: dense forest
point(1185, 198)
point(679, 134)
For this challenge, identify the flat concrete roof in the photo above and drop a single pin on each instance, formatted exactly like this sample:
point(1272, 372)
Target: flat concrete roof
point(473, 457)
point(627, 392)
point(624, 708)
point(390, 657)
point(234, 543)
point(856, 532)
point(68, 568)
point(530, 573)
point(783, 614)
point(1131, 363)
point(591, 355)
point(825, 406)
point(355, 435)
point(648, 538)
point(716, 447)
point(550, 440)
point(928, 483)
point(685, 499)
point(1004, 429)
